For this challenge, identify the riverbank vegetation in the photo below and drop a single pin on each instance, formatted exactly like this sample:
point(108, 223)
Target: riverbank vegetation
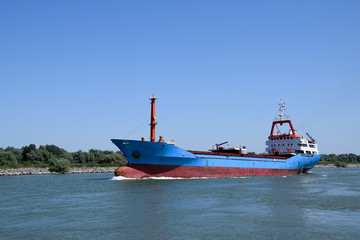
point(58, 159)
point(341, 160)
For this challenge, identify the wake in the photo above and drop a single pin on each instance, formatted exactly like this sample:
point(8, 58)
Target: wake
point(121, 178)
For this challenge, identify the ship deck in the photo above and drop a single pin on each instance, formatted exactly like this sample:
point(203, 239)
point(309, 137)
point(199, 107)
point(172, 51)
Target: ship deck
point(239, 155)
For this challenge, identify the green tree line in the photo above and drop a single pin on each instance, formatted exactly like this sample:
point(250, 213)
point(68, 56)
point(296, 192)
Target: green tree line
point(340, 160)
point(58, 159)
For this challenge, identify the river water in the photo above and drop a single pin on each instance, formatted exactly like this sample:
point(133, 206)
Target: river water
point(323, 204)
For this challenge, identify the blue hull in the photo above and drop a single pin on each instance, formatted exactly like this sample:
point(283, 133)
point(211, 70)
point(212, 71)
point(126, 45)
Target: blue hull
point(151, 155)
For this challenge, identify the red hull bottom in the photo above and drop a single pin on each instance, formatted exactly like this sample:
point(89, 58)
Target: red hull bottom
point(147, 170)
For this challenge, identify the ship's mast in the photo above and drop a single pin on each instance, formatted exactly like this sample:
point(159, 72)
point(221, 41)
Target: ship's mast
point(283, 120)
point(152, 119)
point(281, 109)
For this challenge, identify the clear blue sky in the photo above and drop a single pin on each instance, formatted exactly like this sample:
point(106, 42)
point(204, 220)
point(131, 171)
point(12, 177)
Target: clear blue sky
point(77, 73)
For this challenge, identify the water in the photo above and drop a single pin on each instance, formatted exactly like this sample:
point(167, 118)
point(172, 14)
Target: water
point(324, 204)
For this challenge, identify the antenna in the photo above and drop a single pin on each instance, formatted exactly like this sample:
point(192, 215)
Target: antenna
point(281, 109)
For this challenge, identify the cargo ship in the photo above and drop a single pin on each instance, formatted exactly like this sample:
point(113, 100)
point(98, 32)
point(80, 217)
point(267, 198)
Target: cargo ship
point(287, 153)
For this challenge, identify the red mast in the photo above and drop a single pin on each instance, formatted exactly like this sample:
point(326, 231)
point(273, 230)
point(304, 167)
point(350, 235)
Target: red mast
point(152, 119)
point(281, 122)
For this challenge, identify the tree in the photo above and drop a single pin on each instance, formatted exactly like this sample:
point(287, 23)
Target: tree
point(96, 156)
point(26, 150)
point(60, 165)
point(58, 152)
point(352, 158)
point(7, 159)
point(79, 157)
point(16, 152)
point(34, 157)
point(44, 155)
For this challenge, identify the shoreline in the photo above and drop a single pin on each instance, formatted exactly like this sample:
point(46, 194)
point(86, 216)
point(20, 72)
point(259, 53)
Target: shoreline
point(45, 171)
point(356, 165)
point(82, 170)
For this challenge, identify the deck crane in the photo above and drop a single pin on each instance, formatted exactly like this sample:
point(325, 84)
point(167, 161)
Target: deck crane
point(312, 139)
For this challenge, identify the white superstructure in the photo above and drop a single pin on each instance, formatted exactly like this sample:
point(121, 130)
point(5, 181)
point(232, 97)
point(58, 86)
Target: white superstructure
point(288, 142)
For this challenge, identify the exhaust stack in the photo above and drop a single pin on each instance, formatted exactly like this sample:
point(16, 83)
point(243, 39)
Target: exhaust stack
point(152, 119)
